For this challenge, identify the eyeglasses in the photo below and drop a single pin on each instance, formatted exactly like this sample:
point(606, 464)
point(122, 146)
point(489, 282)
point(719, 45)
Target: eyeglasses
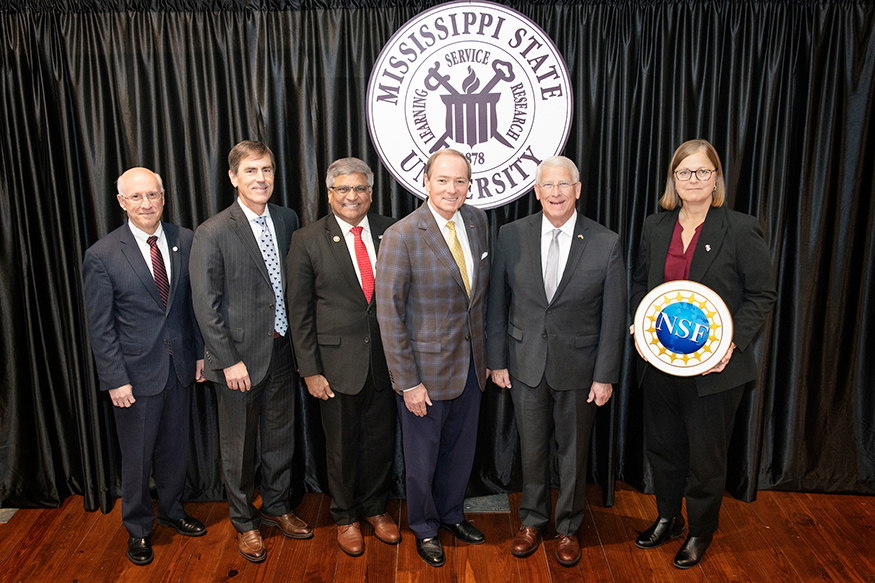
point(138, 197)
point(563, 186)
point(701, 174)
point(344, 190)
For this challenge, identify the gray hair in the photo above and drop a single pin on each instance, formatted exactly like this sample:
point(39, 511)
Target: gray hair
point(558, 162)
point(345, 166)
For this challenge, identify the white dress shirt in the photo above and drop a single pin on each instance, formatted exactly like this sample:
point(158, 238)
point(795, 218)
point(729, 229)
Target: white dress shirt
point(142, 239)
point(256, 228)
point(368, 240)
point(461, 235)
point(563, 239)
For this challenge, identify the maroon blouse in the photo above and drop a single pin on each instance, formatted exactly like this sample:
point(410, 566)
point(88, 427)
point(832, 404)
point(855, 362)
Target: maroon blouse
point(677, 263)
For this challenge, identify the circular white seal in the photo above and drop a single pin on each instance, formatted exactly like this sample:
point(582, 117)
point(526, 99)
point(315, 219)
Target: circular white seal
point(683, 328)
point(480, 78)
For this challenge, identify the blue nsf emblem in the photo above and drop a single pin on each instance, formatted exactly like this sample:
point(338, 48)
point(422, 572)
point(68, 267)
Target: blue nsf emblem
point(683, 328)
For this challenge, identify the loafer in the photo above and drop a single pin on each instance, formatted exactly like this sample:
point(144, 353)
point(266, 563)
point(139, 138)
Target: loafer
point(568, 551)
point(466, 532)
point(385, 528)
point(291, 525)
point(186, 526)
point(140, 550)
point(250, 545)
point(692, 551)
point(660, 531)
point(349, 538)
point(431, 551)
point(526, 541)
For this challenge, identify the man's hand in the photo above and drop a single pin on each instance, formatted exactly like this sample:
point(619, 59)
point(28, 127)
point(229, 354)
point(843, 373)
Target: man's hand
point(723, 361)
point(318, 387)
point(632, 332)
point(501, 378)
point(199, 371)
point(600, 393)
point(237, 377)
point(416, 399)
point(122, 396)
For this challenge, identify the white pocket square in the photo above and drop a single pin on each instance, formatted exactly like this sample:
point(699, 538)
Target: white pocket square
point(485, 254)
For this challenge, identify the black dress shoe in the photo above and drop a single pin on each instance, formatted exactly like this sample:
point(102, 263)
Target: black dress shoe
point(466, 532)
point(692, 551)
point(140, 551)
point(431, 551)
point(186, 526)
point(660, 531)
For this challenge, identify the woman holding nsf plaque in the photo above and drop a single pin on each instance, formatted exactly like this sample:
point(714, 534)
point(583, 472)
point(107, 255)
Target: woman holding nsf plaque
point(688, 419)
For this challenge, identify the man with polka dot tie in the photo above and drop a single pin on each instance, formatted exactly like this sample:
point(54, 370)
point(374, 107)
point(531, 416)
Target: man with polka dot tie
point(238, 281)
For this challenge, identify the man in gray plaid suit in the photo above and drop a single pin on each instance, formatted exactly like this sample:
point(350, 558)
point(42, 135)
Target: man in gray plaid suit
point(431, 285)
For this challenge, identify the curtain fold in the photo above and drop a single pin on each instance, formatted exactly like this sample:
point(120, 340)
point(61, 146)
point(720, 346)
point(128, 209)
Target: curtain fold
point(784, 90)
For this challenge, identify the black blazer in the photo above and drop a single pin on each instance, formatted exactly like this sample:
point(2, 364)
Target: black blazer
point(334, 329)
point(732, 259)
point(129, 326)
point(576, 338)
point(233, 297)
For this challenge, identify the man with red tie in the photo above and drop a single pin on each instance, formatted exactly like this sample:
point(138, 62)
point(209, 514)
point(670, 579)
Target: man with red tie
point(333, 322)
point(148, 352)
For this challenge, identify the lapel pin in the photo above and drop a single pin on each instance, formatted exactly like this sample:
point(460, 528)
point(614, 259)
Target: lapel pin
point(336, 239)
point(580, 237)
point(707, 247)
point(175, 248)
point(380, 237)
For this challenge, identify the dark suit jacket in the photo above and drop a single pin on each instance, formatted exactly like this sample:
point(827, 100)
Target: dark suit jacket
point(578, 336)
point(233, 297)
point(130, 329)
point(334, 328)
point(737, 266)
point(429, 325)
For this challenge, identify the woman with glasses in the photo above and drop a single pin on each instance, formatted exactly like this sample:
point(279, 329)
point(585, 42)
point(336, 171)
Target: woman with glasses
point(688, 420)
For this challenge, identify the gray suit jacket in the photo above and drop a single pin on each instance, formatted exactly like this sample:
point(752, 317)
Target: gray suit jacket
point(334, 328)
point(576, 338)
point(430, 326)
point(233, 297)
point(130, 329)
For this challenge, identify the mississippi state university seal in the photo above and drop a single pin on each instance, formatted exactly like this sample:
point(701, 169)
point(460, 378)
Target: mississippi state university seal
point(478, 77)
point(683, 328)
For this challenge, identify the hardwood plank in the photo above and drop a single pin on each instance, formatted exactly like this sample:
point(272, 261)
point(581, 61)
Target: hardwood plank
point(534, 567)
point(323, 559)
point(492, 560)
point(381, 559)
point(40, 529)
point(847, 530)
point(12, 531)
point(295, 554)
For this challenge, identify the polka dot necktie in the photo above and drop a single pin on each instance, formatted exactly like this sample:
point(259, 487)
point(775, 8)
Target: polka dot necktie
point(268, 252)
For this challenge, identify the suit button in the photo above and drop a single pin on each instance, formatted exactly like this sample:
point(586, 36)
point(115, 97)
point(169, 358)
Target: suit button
point(165, 341)
point(549, 311)
point(270, 333)
point(367, 339)
point(544, 335)
point(271, 306)
point(467, 337)
point(370, 310)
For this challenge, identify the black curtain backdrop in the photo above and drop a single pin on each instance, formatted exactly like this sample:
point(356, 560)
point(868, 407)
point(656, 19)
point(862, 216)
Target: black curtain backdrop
point(784, 90)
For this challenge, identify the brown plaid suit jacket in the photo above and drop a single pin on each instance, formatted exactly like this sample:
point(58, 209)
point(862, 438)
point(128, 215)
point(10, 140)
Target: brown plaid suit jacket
point(428, 324)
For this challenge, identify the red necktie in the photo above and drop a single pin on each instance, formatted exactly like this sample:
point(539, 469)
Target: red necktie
point(361, 257)
point(159, 270)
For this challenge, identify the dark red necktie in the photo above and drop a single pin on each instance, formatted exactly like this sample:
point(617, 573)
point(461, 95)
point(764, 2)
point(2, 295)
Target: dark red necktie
point(159, 270)
point(361, 257)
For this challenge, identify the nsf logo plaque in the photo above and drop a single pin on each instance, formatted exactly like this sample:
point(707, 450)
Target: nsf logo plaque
point(683, 328)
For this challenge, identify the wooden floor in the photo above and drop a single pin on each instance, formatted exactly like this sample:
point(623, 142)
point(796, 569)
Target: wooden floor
point(782, 537)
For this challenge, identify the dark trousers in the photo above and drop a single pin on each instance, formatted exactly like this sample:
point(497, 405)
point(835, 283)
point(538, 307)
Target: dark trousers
point(438, 456)
point(687, 438)
point(257, 427)
point(360, 451)
point(153, 429)
point(541, 415)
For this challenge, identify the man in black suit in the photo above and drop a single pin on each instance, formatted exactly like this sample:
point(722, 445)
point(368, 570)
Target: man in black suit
point(238, 280)
point(148, 351)
point(555, 329)
point(333, 321)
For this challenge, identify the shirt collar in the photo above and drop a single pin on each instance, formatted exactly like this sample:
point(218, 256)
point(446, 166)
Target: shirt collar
point(441, 221)
point(250, 214)
point(143, 236)
point(567, 227)
point(346, 227)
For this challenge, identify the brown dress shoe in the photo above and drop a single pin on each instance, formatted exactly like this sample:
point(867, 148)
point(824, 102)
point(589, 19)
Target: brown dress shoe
point(349, 537)
point(568, 551)
point(250, 545)
point(385, 528)
point(526, 541)
point(291, 525)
